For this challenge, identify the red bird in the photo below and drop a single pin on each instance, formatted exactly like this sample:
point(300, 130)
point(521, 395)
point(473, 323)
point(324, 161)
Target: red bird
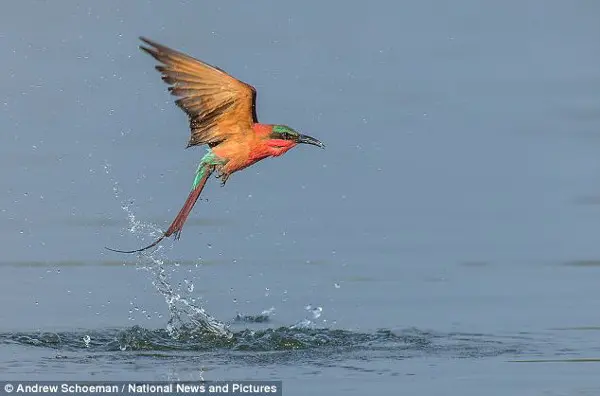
point(222, 114)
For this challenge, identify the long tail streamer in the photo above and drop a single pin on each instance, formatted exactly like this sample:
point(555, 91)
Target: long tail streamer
point(177, 225)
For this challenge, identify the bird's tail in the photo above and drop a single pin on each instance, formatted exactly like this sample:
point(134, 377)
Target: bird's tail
point(202, 175)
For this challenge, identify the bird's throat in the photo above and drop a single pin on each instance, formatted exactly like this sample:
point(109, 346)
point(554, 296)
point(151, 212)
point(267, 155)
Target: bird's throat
point(277, 147)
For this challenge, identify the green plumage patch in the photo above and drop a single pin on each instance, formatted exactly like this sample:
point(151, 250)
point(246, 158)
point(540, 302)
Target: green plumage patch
point(209, 159)
point(284, 132)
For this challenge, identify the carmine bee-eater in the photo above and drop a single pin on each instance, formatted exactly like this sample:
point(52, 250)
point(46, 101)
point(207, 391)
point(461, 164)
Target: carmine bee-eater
point(222, 114)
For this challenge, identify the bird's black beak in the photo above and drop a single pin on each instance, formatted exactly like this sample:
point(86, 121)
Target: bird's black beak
point(310, 140)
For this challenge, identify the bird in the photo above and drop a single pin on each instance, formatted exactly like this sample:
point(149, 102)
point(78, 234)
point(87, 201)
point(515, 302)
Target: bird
point(222, 115)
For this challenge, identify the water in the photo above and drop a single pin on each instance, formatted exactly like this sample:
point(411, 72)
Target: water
point(445, 242)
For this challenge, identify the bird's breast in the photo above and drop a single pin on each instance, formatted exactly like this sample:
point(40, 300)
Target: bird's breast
point(240, 156)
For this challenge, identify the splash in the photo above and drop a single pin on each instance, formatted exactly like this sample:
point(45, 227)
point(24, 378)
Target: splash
point(315, 344)
point(184, 314)
point(263, 317)
point(309, 322)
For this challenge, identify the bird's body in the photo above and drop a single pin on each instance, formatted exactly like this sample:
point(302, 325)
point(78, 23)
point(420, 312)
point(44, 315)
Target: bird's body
point(222, 113)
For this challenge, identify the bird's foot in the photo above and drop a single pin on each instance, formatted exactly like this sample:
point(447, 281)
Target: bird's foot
point(223, 177)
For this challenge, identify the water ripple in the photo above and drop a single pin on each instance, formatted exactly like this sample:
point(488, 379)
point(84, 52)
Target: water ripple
point(400, 344)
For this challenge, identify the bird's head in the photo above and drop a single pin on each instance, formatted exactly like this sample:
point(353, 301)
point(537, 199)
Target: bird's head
point(281, 138)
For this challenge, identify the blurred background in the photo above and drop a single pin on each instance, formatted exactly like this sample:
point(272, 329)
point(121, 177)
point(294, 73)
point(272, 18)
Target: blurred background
point(458, 193)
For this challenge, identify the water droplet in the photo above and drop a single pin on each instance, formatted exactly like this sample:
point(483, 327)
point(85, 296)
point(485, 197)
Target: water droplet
point(209, 246)
point(170, 329)
point(303, 324)
point(317, 312)
point(268, 312)
point(337, 285)
point(190, 285)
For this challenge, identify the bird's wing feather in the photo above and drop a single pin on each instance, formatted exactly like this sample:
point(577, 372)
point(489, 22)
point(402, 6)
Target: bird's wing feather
point(217, 104)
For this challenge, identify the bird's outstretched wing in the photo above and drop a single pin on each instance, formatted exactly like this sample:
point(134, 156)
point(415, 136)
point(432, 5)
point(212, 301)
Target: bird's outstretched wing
point(217, 104)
